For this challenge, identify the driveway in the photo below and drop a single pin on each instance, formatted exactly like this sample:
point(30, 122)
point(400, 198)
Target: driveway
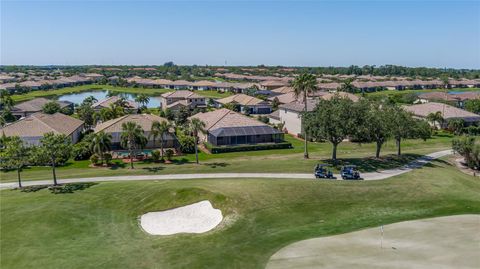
point(366, 176)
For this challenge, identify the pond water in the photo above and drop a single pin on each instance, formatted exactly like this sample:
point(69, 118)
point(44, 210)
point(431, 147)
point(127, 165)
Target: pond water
point(77, 98)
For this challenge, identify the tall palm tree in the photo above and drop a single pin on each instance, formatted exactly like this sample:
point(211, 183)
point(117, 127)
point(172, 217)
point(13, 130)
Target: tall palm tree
point(131, 137)
point(142, 99)
point(435, 118)
point(304, 85)
point(101, 143)
point(112, 112)
point(6, 101)
point(196, 126)
point(160, 130)
point(90, 100)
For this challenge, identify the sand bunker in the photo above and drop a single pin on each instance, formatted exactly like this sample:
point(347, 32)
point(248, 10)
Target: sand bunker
point(200, 217)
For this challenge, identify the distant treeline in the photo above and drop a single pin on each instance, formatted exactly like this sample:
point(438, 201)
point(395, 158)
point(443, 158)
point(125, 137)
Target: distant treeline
point(172, 71)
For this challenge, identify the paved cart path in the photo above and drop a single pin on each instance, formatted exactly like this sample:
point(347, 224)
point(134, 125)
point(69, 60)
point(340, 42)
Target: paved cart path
point(366, 176)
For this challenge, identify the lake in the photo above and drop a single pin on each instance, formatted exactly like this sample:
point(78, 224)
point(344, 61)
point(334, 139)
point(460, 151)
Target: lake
point(77, 98)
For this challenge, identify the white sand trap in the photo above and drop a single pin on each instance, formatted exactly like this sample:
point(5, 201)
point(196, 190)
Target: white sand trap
point(437, 243)
point(200, 217)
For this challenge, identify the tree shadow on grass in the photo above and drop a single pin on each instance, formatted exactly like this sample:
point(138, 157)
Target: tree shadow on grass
point(216, 164)
point(155, 169)
point(61, 188)
point(180, 161)
point(117, 166)
point(372, 164)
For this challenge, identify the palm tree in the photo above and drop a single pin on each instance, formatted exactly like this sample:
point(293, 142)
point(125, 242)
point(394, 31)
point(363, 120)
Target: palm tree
point(347, 86)
point(6, 101)
point(90, 100)
point(112, 112)
point(161, 130)
point(101, 143)
point(435, 118)
point(196, 126)
point(304, 85)
point(142, 99)
point(131, 137)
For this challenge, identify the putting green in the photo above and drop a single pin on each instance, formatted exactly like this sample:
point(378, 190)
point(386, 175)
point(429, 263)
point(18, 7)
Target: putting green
point(445, 242)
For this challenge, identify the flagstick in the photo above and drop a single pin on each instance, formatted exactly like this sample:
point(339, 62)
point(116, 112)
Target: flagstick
point(381, 237)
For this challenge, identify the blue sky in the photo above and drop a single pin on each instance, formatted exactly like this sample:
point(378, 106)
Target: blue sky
point(291, 33)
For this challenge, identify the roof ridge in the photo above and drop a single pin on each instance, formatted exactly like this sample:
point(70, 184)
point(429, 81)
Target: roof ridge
point(41, 121)
point(114, 121)
point(227, 112)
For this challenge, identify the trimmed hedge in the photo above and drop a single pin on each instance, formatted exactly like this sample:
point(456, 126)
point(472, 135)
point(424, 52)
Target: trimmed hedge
point(223, 149)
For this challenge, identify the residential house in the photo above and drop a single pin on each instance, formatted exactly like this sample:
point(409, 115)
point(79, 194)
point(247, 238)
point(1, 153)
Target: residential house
point(291, 115)
point(106, 103)
point(246, 103)
point(273, 84)
point(286, 98)
point(330, 95)
point(33, 127)
point(448, 112)
point(226, 128)
point(27, 108)
point(114, 128)
point(180, 85)
point(182, 98)
point(457, 99)
point(202, 85)
point(283, 90)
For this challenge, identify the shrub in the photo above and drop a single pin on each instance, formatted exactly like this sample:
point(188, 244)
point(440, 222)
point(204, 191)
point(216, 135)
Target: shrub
point(472, 130)
point(263, 119)
point(108, 158)
point(156, 155)
point(216, 149)
point(94, 159)
point(169, 154)
point(81, 151)
point(187, 143)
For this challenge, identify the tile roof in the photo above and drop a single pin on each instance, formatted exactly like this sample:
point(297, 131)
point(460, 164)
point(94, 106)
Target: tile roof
point(449, 97)
point(242, 99)
point(284, 89)
point(300, 106)
point(181, 94)
point(223, 118)
point(287, 98)
point(37, 104)
point(448, 112)
point(111, 100)
point(115, 125)
point(39, 124)
point(330, 95)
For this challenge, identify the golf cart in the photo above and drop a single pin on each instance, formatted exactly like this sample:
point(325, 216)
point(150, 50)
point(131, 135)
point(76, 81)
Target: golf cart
point(350, 172)
point(323, 171)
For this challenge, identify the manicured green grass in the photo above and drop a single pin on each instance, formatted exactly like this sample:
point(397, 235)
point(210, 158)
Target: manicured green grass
point(98, 227)
point(275, 161)
point(404, 92)
point(84, 88)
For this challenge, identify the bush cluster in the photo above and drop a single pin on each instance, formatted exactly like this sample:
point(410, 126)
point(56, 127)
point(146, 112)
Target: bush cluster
point(216, 149)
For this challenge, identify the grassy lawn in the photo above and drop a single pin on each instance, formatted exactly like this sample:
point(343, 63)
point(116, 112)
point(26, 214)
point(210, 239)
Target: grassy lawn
point(276, 161)
point(98, 227)
point(84, 88)
point(404, 92)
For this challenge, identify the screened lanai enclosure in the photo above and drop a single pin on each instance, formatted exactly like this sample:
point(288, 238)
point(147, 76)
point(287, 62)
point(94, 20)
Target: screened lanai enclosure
point(244, 135)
